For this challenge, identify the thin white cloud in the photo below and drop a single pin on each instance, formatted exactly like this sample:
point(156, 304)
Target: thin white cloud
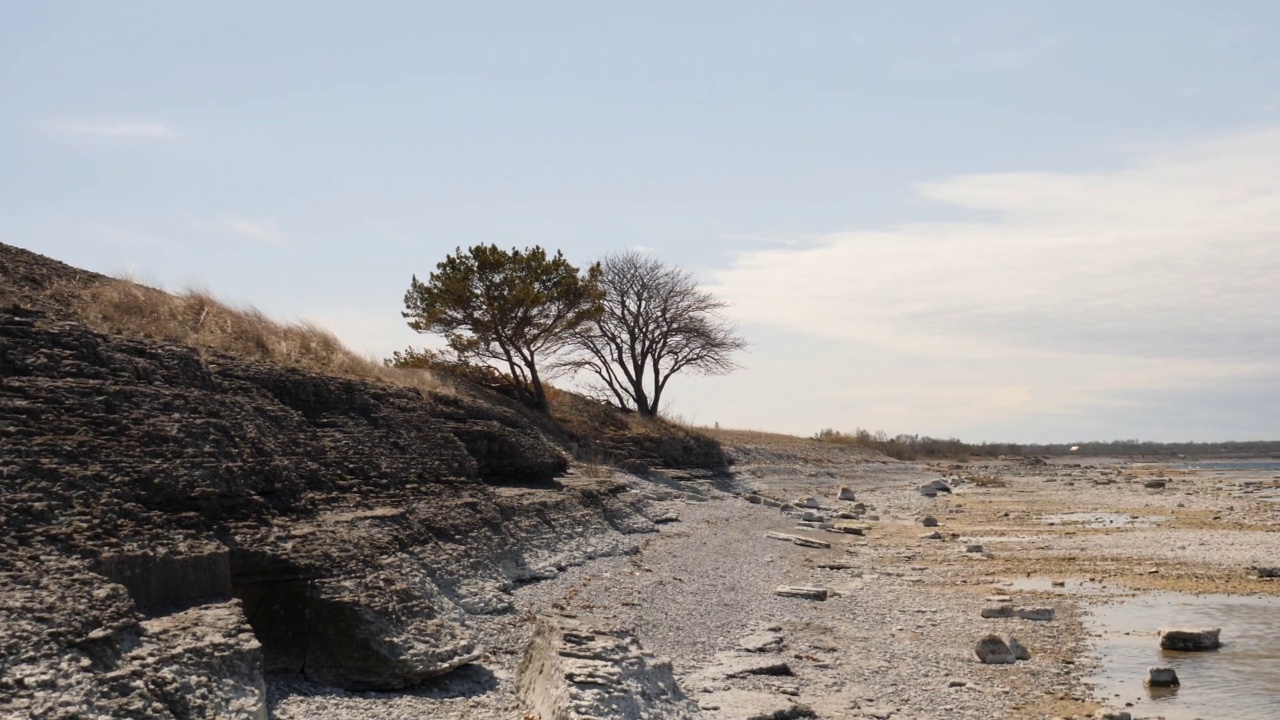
point(263, 229)
point(114, 129)
point(1159, 274)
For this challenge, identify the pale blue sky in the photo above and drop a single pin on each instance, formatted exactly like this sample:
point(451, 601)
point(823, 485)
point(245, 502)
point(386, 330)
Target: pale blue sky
point(994, 220)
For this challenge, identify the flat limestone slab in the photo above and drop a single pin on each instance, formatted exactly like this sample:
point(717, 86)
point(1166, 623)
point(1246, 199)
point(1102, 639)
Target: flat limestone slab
point(799, 540)
point(752, 705)
point(801, 591)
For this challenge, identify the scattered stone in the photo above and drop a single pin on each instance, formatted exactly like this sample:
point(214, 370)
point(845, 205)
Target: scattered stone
point(845, 515)
point(999, 598)
point(1020, 651)
point(598, 669)
point(798, 540)
point(1190, 639)
point(1161, 676)
point(998, 611)
point(811, 516)
point(1267, 572)
point(1058, 583)
point(1040, 614)
point(1154, 484)
point(974, 549)
point(1111, 714)
point(956, 682)
point(991, 650)
point(801, 591)
point(931, 489)
point(807, 501)
point(935, 535)
point(929, 521)
point(845, 493)
point(850, 529)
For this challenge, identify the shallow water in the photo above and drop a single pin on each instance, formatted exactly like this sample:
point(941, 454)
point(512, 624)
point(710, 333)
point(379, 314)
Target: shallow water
point(1249, 465)
point(1103, 519)
point(1241, 680)
point(1070, 586)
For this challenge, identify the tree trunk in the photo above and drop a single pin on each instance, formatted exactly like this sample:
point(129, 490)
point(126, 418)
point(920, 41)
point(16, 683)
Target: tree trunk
point(539, 394)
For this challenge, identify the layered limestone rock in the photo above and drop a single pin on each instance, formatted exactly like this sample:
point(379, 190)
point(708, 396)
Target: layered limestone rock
point(581, 668)
point(168, 510)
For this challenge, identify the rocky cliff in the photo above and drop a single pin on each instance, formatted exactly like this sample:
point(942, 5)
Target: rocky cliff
point(177, 522)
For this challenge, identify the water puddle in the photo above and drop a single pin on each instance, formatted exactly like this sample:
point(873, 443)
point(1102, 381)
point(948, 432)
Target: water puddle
point(1005, 538)
point(1103, 520)
point(1070, 586)
point(1241, 680)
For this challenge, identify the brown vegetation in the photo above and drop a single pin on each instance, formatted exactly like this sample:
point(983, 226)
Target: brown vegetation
point(200, 320)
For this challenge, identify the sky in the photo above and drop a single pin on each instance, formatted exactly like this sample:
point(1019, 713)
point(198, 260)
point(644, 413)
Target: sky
point(997, 221)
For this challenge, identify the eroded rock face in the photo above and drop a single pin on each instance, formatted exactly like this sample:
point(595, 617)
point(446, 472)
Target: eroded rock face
point(589, 668)
point(358, 525)
point(72, 646)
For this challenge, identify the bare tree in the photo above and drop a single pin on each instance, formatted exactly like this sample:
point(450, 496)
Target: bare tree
point(656, 323)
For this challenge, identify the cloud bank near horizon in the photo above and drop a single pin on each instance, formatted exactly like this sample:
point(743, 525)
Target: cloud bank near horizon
point(1064, 292)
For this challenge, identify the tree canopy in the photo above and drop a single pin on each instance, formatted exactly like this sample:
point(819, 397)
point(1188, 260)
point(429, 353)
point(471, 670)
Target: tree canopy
point(516, 308)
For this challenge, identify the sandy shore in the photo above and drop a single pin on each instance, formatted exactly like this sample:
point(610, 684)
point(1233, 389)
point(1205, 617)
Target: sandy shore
point(896, 638)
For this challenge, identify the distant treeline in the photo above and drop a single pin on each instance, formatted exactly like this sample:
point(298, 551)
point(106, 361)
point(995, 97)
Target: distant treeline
point(915, 447)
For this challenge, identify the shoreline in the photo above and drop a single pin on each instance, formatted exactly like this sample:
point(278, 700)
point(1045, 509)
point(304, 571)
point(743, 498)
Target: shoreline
point(897, 638)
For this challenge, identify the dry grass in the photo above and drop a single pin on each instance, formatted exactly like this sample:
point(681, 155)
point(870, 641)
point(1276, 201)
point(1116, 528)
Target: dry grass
point(200, 320)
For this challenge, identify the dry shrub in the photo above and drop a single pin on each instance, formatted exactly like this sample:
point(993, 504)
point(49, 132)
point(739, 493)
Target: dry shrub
point(200, 320)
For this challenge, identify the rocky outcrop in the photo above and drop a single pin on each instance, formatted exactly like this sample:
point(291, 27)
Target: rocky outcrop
point(176, 522)
point(590, 668)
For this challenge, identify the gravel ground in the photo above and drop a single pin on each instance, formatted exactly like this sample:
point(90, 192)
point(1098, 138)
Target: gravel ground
point(897, 638)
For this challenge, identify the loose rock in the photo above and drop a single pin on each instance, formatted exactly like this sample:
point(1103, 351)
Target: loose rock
point(800, 591)
point(1162, 676)
point(1020, 651)
point(991, 650)
point(1040, 614)
point(1190, 639)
